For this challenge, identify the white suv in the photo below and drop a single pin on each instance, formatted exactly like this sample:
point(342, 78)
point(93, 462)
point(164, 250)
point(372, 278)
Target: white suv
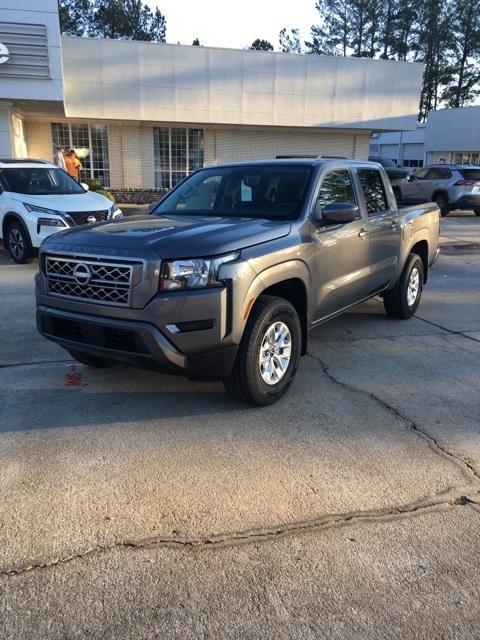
point(38, 199)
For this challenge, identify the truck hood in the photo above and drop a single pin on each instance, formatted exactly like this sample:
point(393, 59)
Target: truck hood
point(89, 201)
point(171, 236)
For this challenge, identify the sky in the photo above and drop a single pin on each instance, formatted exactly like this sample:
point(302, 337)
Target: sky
point(225, 23)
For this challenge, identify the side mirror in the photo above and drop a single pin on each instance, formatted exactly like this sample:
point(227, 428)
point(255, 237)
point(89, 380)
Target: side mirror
point(85, 186)
point(338, 213)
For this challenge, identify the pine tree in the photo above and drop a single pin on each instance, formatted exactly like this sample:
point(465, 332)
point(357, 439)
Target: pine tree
point(463, 73)
point(290, 42)
point(261, 45)
point(75, 16)
point(333, 33)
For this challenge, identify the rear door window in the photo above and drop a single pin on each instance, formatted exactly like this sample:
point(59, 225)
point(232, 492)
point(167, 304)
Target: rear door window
point(471, 174)
point(373, 191)
point(439, 173)
point(336, 187)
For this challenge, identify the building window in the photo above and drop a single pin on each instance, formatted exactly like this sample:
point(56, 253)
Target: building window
point(90, 142)
point(467, 158)
point(413, 163)
point(177, 152)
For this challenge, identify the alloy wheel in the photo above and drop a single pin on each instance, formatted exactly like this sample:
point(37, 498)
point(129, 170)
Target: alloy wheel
point(275, 353)
point(413, 287)
point(15, 243)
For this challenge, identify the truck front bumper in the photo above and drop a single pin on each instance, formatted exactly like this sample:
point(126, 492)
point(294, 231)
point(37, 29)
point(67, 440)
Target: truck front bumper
point(132, 342)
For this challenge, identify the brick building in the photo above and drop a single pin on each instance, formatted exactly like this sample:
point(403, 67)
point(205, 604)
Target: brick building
point(143, 115)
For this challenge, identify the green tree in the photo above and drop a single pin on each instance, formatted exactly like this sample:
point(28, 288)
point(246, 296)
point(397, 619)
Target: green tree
point(196, 42)
point(463, 73)
point(404, 42)
point(261, 45)
point(434, 40)
point(290, 42)
point(75, 16)
point(333, 32)
point(128, 20)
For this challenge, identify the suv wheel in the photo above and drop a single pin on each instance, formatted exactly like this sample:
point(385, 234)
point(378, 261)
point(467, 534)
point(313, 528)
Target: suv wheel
point(18, 243)
point(402, 301)
point(269, 353)
point(91, 361)
point(441, 201)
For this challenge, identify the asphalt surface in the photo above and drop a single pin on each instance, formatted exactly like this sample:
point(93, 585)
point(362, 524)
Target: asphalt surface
point(135, 505)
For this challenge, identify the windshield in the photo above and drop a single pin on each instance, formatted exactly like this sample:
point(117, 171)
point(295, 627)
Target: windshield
point(38, 181)
point(385, 162)
point(274, 192)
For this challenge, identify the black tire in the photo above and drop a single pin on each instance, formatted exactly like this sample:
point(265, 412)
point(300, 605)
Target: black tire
point(477, 212)
point(441, 201)
point(17, 241)
point(91, 361)
point(245, 382)
point(396, 301)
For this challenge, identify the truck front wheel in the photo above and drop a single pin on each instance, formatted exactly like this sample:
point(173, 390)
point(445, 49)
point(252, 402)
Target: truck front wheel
point(402, 301)
point(269, 353)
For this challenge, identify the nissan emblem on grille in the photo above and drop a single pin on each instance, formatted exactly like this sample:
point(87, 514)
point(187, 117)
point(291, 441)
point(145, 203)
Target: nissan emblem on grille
point(89, 280)
point(82, 273)
point(91, 219)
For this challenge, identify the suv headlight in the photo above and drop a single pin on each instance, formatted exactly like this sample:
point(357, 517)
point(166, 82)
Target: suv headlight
point(36, 209)
point(192, 273)
point(114, 212)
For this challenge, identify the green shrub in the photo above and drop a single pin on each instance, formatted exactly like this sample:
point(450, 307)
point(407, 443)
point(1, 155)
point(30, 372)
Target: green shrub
point(107, 194)
point(94, 185)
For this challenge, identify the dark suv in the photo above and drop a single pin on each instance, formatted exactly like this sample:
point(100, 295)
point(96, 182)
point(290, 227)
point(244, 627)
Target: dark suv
point(393, 171)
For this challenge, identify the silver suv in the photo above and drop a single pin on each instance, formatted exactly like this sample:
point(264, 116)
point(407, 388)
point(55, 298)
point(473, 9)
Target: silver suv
point(451, 186)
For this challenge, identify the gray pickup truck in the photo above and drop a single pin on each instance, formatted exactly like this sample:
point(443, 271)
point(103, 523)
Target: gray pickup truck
point(229, 271)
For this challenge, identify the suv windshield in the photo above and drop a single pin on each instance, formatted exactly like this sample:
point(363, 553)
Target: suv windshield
point(41, 181)
point(270, 191)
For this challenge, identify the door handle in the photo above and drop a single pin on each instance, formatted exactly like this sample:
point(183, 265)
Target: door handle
point(362, 233)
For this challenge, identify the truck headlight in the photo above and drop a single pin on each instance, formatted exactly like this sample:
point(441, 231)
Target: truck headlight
point(192, 273)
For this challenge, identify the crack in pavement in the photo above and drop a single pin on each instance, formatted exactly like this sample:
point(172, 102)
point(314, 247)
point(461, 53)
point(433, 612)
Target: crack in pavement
point(450, 498)
point(455, 333)
point(467, 469)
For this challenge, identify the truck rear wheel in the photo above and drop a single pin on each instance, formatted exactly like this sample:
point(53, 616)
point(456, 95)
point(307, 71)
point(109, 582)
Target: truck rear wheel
point(91, 361)
point(402, 301)
point(269, 353)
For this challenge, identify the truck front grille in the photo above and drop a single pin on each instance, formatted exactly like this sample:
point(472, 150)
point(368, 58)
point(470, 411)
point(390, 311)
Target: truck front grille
point(89, 280)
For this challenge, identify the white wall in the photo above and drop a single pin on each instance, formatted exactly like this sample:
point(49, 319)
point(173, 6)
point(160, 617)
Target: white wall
point(453, 130)
point(174, 83)
point(41, 12)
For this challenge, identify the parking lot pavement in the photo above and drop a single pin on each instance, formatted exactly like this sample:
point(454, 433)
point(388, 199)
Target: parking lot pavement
point(136, 505)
